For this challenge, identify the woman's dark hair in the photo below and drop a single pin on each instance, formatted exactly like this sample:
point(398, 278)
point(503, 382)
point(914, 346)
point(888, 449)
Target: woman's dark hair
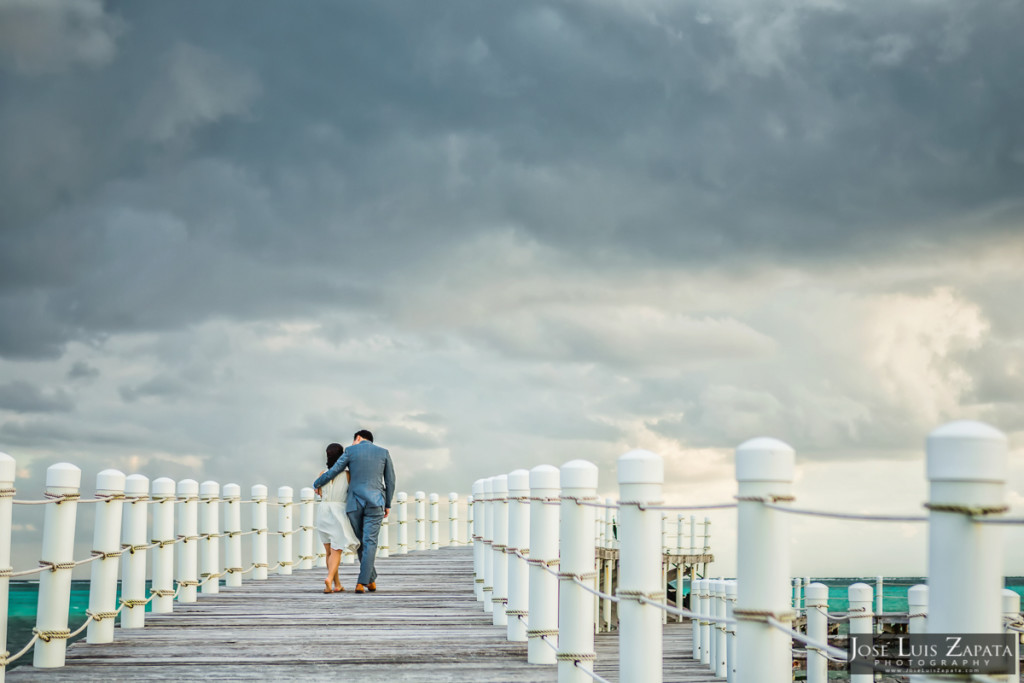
point(334, 452)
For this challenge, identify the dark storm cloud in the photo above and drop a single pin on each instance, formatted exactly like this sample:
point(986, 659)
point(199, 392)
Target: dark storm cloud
point(81, 370)
point(166, 163)
point(23, 397)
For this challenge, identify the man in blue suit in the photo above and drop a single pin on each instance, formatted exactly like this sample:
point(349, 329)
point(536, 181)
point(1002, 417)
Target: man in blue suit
point(369, 498)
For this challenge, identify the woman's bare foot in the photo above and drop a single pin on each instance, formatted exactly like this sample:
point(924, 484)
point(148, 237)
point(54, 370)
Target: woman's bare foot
point(327, 586)
point(338, 588)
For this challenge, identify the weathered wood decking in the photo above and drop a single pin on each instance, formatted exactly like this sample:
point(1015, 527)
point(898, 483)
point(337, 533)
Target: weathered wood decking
point(423, 624)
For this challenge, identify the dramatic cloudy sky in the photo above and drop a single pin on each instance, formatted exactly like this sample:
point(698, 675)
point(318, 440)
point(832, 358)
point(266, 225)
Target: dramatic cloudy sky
point(501, 234)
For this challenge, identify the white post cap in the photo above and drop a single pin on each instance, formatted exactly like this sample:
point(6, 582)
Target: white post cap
point(305, 494)
point(63, 475)
point(918, 595)
point(232, 491)
point(518, 481)
point(420, 495)
point(578, 474)
point(499, 486)
point(188, 487)
point(816, 592)
point(478, 487)
point(258, 492)
point(209, 489)
point(136, 485)
point(488, 487)
point(730, 590)
point(544, 477)
point(285, 493)
point(452, 497)
point(434, 498)
point(640, 467)
point(860, 592)
point(1011, 601)
point(967, 451)
point(402, 496)
point(765, 459)
point(110, 481)
point(7, 468)
point(164, 486)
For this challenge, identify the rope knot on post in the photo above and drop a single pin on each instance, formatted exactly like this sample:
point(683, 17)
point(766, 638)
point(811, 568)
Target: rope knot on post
point(55, 634)
point(100, 616)
point(765, 499)
point(969, 510)
point(54, 566)
point(106, 555)
point(59, 498)
point(8, 493)
point(762, 615)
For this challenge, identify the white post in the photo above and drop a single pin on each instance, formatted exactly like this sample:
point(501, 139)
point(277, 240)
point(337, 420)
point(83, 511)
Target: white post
point(764, 472)
point(306, 513)
point(499, 593)
point(707, 535)
point(435, 522)
point(796, 595)
point(188, 529)
point(476, 512)
point(8, 470)
point(693, 534)
point(664, 566)
point(707, 653)
point(879, 601)
point(518, 540)
point(730, 646)
point(163, 502)
point(284, 530)
point(966, 463)
point(453, 519)
point(232, 496)
point(721, 659)
point(696, 588)
point(608, 564)
point(384, 538)
point(106, 541)
point(469, 520)
point(133, 560)
point(861, 622)
point(543, 555)
point(680, 536)
point(62, 482)
point(578, 480)
point(258, 494)
point(209, 536)
point(641, 475)
point(1011, 611)
point(917, 611)
point(816, 603)
point(609, 521)
point(421, 520)
point(403, 522)
point(488, 587)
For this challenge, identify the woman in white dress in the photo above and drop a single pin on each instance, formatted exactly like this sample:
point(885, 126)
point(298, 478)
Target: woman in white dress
point(332, 522)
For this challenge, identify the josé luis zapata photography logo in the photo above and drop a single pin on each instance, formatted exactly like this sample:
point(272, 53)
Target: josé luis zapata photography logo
point(933, 653)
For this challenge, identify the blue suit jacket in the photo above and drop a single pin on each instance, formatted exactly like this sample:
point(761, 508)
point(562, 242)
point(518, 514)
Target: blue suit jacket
point(373, 476)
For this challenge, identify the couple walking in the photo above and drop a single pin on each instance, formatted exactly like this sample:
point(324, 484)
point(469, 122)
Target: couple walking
point(354, 506)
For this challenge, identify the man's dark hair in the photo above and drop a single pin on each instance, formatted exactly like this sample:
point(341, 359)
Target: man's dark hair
point(334, 452)
point(365, 433)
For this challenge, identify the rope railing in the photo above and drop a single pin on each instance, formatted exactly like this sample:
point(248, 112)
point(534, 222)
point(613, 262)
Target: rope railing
point(959, 455)
point(843, 515)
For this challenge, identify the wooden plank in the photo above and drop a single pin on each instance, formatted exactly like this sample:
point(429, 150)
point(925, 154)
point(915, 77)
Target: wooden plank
point(422, 624)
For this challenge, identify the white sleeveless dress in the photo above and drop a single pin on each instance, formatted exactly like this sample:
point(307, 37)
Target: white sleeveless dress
point(331, 521)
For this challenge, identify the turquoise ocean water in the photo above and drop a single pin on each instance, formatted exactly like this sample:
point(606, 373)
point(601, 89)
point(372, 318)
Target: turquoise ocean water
point(21, 613)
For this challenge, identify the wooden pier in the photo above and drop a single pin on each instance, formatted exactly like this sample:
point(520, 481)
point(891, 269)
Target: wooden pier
point(423, 624)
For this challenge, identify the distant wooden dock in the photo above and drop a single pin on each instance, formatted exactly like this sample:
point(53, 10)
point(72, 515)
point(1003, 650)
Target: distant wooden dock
point(423, 624)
